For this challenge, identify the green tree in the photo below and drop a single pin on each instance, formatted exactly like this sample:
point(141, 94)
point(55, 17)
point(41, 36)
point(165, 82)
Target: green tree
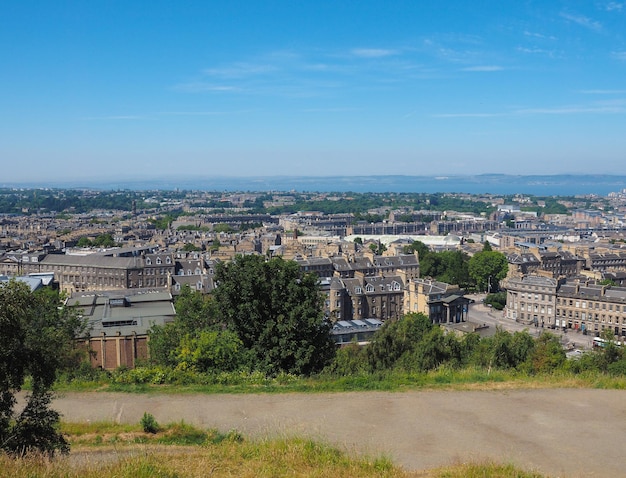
point(350, 359)
point(276, 310)
point(36, 339)
point(396, 338)
point(377, 248)
point(487, 268)
point(419, 247)
point(211, 350)
point(104, 240)
point(84, 242)
point(450, 267)
point(548, 354)
point(496, 300)
point(195, 312)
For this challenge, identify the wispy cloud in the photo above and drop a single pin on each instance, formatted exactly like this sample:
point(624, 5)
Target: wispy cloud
point(620, 55)
point(201, 86)
point(160, 114)
point(571, 110)
point(538, 35)
point(241, 70)
point(197, 113)
point(373, 52)
point(602, 92)
point(614, 6)
point(120, 118)
point(468, 115)
point(616, 107)
point(582, 20)
point(483, 68)
point(331, 110)
point(540, 51)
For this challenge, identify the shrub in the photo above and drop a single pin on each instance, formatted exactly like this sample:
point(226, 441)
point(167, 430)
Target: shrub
point(149, 423)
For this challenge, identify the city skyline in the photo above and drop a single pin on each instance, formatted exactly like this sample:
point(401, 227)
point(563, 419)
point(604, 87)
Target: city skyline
point(162, 89)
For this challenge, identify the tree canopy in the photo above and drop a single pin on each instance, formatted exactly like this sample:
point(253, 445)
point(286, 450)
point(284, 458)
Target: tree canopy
point(36, 340)
point(276, 311)
point(487, 268)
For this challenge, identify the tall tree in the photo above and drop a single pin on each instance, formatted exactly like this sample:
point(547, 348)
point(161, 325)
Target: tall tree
point(195, 313)
point(36, 338)
point(487, 268)
point(276, 310)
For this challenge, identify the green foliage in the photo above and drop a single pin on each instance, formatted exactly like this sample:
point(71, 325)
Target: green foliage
point(103, 240)
point(450, 267)
point(36, 340)
point(548, 354)
point(395, 339)
point(349, 360)
point(83, 242)
point(222, 228)
point(195, 313)
point(377, 248)
point(211, 350)
point(189, 247)
point(487, 268)
point(149, 423)
point(419, 247)
point(276, 311)
point(504, 350)
point(496, 300)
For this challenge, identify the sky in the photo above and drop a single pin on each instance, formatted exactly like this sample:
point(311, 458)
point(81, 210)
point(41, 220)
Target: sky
point(148, 89)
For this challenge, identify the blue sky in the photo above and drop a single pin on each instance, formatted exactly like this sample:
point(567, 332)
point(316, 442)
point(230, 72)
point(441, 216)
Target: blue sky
point(105, 89)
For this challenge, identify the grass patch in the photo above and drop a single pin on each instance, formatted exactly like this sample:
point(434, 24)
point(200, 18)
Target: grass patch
point(470, 378)
point(232, 456)
point(481, 470)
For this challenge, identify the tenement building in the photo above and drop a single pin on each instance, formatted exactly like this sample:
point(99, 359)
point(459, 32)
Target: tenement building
point(531, 299)
point(576, 304)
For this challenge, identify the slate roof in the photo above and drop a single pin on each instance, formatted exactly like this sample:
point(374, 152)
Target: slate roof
point(124, 312)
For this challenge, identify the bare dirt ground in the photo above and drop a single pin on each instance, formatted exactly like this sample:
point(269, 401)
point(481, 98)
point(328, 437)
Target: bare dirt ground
point(561, 433)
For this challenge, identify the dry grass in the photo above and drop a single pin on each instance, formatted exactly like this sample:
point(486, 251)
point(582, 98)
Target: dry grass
point(102, 450)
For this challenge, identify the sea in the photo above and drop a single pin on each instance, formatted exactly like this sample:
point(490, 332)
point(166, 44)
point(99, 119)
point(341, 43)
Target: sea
point(500, 184)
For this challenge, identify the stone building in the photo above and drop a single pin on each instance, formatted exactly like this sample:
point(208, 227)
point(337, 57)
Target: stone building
point(441, 302)
point(577, 304)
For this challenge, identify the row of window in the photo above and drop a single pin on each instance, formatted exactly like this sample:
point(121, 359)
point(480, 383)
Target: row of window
point(168, 260)
point(594, 317)
point(591, 305)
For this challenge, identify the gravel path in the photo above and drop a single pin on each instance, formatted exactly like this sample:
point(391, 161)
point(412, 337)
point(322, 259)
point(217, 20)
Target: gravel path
point(564, 433)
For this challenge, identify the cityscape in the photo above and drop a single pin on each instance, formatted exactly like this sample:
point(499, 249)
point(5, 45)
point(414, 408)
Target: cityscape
point(334, 238)
point(153, 244)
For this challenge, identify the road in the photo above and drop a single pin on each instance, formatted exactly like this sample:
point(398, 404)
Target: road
point(561, 433)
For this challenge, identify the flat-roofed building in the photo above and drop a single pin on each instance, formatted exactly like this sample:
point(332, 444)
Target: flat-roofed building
point(118, 323)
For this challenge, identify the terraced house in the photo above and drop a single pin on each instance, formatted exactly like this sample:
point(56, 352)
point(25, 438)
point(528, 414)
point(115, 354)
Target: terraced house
point(576, 304)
